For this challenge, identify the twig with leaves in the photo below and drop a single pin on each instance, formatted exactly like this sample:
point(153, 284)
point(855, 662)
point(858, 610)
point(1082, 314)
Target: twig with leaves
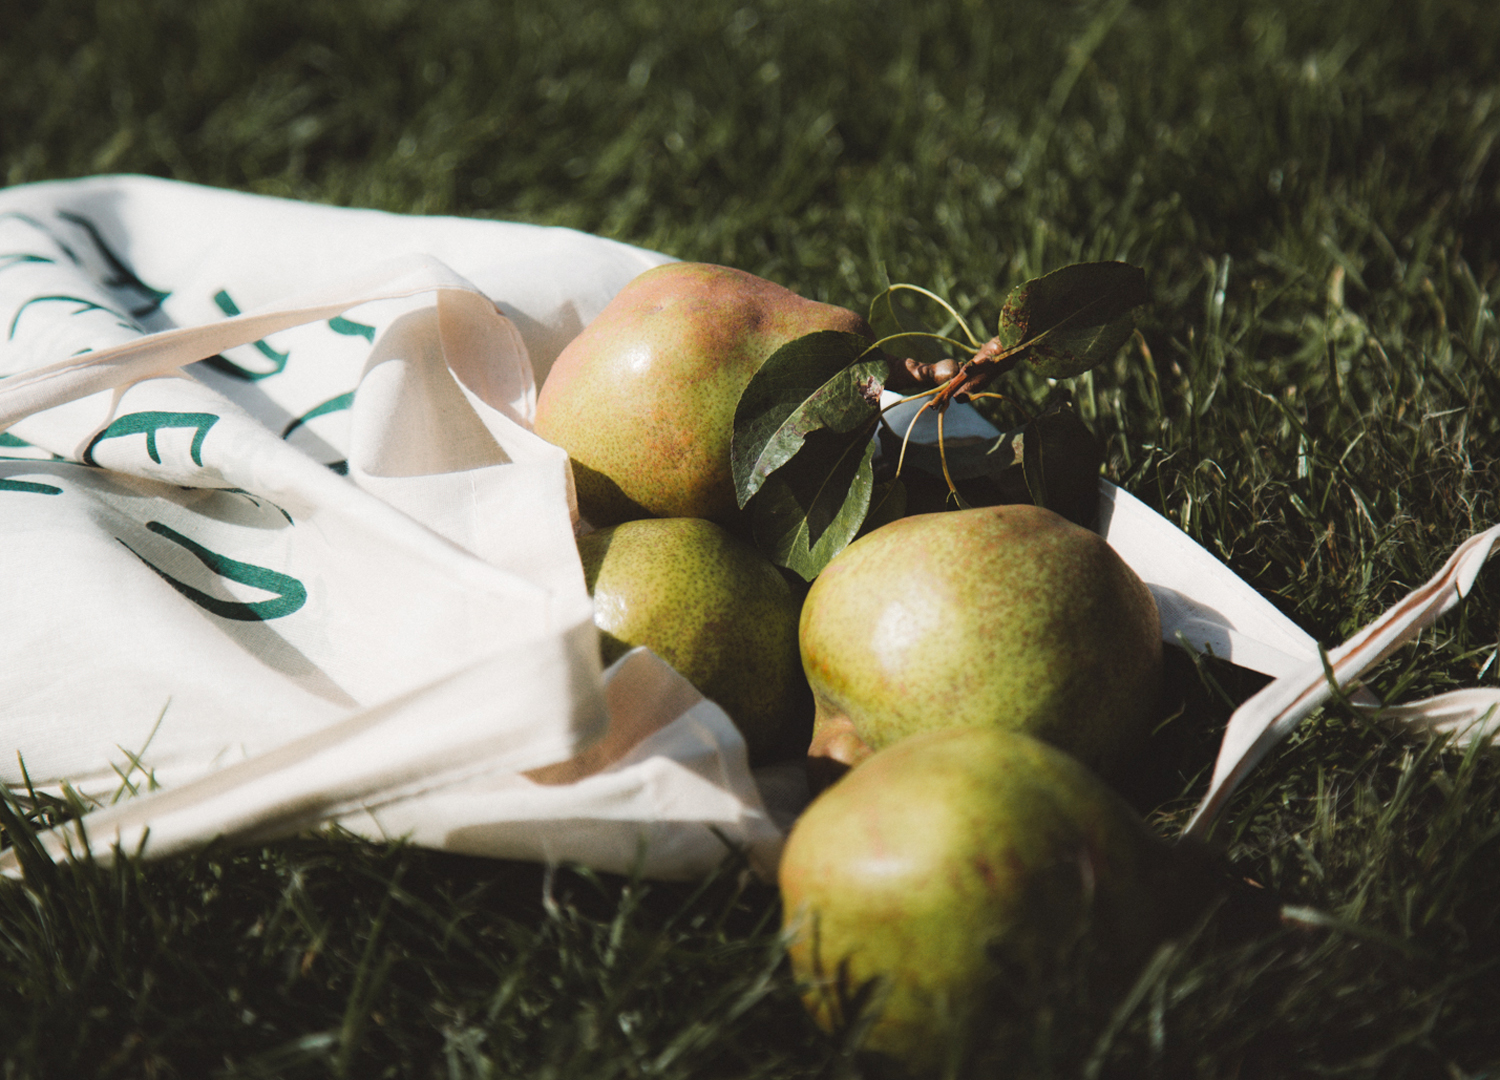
point(802, 451)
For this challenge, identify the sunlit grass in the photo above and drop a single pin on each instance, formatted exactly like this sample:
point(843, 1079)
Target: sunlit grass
point(1314, 190)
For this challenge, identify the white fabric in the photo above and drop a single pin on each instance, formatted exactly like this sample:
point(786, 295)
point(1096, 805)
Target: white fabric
point(193, 600)
point(1268, 717)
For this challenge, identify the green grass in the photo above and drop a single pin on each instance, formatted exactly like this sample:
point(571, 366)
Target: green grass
point(1314, 189)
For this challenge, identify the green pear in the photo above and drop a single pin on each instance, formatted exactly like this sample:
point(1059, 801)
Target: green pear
point(643, 399)
point(1005, 616)
point(711, 606)
point(958, 874)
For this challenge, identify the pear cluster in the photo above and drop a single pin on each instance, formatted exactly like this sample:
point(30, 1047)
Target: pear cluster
point(969, 673)
point(965, 666)
point(643, 401)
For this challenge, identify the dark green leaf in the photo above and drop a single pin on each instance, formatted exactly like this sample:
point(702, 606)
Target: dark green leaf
point(1061, 459)
point(887, 504)
point(809, 510)
point(816, 382)
point(1077, 316)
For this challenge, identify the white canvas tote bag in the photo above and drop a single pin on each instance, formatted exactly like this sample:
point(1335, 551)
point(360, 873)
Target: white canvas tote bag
point(277, 540)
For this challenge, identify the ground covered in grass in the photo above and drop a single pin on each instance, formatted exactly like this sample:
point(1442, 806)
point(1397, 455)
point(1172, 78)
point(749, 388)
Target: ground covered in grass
point(1314, 190)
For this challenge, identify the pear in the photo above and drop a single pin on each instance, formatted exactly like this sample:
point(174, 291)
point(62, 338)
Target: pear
point(643, 399)
point(710, 605)
point(1005, 616)
point(957, 874)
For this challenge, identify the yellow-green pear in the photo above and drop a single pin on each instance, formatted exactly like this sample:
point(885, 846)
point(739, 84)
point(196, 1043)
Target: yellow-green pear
point(711, 606)
point(955, 873)
point(643, 399)
point(1005, 616)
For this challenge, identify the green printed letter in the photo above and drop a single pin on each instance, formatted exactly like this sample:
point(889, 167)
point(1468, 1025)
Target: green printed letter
point(150, 423)
point(291, 594)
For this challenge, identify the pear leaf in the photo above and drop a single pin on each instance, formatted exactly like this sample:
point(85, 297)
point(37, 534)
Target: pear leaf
point(1060, 458)
point(887, 504)
point(1075, 317)
point(826, 380)
point(811, 508)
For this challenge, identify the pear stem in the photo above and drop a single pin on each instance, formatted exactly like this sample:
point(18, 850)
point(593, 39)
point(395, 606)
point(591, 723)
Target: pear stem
point(963, 503)
point(992, 360)
point(901, 458)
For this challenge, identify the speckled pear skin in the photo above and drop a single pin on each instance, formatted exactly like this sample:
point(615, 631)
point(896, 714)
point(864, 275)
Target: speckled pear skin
point(1007, 616)
point(960, 867)
point(712, 607)
point(643, 399)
